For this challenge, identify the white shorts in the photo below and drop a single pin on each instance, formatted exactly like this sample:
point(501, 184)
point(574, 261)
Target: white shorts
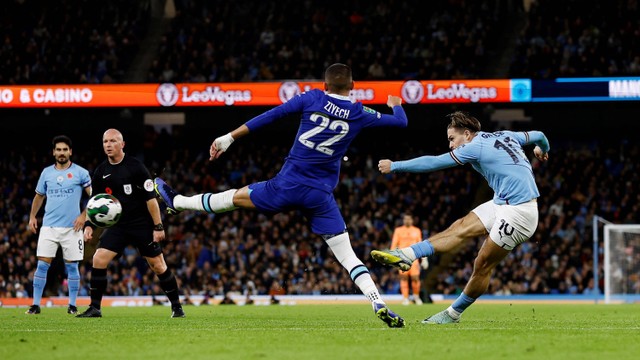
point(71, 241)
point(509, 225)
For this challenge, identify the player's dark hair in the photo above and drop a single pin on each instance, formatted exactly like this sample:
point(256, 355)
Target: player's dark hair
point(61, 139)
point(462, 120)
point(338, 78)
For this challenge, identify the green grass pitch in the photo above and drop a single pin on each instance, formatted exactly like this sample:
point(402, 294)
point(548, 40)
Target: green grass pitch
point(487, 331)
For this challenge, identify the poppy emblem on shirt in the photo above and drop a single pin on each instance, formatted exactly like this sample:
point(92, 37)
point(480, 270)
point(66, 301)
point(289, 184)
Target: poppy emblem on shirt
point(70, 175)
point(108, 190)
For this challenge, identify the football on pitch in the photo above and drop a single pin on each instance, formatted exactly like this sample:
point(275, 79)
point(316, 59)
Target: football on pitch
point(104, 210)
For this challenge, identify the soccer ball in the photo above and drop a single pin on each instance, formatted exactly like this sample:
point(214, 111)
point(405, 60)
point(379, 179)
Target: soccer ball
point(104, 210)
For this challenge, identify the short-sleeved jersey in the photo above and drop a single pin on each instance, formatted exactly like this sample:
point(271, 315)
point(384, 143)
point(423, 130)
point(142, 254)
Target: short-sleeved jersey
point(130, 182)
point(63, 190)
point(499, 157)
point(405, 236)
point(329, 123)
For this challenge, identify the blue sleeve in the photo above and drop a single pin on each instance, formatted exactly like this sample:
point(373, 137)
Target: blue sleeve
point(295, 105)
point(41, 188)
point(538, 138)
point(399, 118)
point(86, 179)
point(424, 163)
point(532, 137)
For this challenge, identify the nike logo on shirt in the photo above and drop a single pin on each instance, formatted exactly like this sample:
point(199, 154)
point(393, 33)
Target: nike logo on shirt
point(106, 176)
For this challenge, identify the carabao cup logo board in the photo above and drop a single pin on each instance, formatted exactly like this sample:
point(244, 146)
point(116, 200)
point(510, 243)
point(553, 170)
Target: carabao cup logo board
point(167, 94)
point(412, 92)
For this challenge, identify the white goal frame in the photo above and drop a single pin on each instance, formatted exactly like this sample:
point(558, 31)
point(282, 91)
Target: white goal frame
point(608, 229)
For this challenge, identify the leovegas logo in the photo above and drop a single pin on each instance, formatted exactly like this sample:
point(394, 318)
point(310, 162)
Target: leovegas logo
point(170, 95)
point(412, 91)
point(460, 91)
point(167, 94)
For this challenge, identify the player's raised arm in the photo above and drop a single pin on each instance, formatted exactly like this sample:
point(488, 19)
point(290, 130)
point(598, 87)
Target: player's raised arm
point(421, 164)
point(222, 143)
point(394, 101)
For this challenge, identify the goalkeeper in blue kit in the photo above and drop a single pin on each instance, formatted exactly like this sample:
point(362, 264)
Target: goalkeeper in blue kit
point(329, 123)
point(509, 219)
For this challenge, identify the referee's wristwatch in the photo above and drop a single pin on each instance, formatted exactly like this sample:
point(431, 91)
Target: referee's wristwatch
point(158, 227)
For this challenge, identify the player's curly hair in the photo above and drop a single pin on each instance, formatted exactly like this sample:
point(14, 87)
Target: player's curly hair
point(61, 139)
point(462, 120)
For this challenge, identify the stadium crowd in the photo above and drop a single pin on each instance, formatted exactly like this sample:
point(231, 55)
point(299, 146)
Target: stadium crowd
point(579, 38)
point(244, 252)
point(45, 42)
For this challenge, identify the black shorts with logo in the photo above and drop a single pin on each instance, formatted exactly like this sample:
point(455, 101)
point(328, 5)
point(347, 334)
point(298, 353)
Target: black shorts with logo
point(118, 238)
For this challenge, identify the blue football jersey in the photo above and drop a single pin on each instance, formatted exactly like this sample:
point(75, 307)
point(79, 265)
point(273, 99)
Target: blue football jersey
point(329, 123)
point(63, 190)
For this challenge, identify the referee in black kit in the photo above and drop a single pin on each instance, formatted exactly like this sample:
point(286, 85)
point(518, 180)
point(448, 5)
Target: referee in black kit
point(140, 225)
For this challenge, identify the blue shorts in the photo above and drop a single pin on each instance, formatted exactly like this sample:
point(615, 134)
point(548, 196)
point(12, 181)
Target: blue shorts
point(319, 207)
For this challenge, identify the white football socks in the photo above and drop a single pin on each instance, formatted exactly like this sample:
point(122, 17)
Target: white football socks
point(408, 251)
point(211, 203)
point(341, 247)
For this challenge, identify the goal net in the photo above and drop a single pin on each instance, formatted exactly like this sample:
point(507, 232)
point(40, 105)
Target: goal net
point(621, 263)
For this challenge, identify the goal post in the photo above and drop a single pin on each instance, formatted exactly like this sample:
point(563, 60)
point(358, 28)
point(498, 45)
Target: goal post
point(621, 263)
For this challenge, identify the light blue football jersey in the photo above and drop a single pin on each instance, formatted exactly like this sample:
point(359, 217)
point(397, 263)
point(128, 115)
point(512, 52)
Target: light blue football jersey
point(498, 156)
point(63, 190)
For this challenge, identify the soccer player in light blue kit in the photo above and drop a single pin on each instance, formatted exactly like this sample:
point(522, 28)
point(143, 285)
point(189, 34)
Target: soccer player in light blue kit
point(509, 219)
point(329, 123)
point(61, 184)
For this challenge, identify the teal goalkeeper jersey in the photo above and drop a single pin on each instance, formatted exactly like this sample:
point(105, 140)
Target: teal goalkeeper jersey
point(498, 156)
point(63, 189)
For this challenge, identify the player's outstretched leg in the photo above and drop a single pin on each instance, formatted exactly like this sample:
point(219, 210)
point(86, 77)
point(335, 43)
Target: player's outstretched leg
point(167, 194)
point(442, 317)
point(392, 257)
point(389, 317)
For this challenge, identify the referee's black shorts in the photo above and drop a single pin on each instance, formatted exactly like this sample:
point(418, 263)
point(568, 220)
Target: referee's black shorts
point(118, 238)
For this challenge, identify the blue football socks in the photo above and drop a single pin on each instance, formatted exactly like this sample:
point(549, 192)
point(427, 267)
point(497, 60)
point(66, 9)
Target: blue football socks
point(73, 280)
point(423, 249)
point(39, 281)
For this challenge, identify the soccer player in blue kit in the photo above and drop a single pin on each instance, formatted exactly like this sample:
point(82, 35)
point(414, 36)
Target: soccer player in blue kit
point(329, 123)
point(509, 219)
point(61, 184)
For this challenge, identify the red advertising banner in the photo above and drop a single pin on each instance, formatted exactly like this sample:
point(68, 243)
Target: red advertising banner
point(245, 94)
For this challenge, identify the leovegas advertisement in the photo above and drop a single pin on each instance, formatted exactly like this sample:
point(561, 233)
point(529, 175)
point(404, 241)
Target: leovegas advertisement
point(245, 94)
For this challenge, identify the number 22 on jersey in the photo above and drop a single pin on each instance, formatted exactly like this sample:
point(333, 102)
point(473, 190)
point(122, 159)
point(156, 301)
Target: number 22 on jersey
point(323, 123)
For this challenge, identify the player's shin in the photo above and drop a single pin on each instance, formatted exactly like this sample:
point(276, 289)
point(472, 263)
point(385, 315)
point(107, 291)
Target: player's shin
point(98, 286)
point(39, 281)
point(211, 203)
point(169, 285)
point(73, 280)
point(341, 247)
